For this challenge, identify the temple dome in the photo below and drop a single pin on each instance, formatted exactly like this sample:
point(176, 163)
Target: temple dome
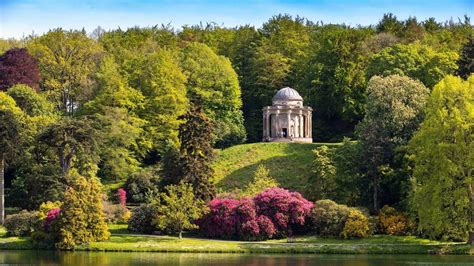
point(287, 94)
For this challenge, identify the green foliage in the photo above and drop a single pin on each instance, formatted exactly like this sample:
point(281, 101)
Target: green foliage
point(466, 59)
point(212, 85)
point(322, 185)
point(332, 80)
point(160, 79)
point(261, 181)
point(22, 223)
point(356, 226)
point(142, 186)
point(12, 122)
point(329, 218)
point(178, 209)
point(415, 61)
point(193, 163)
point(31, 102)
point(394, 111)
point(72, 139)
point(45, 207)
point(67, 61)
point(82, 219)
point(443, 155)
point(332, 219)
point(350, 182)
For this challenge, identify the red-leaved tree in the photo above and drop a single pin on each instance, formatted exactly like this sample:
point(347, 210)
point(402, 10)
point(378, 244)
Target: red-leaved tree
point(17, 66)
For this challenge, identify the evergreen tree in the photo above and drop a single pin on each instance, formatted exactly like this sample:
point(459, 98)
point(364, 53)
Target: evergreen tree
point(82, 219)
point(466, 59)
point(195, 155)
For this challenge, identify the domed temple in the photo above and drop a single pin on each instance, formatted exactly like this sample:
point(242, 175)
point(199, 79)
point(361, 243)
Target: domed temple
point(287, 120)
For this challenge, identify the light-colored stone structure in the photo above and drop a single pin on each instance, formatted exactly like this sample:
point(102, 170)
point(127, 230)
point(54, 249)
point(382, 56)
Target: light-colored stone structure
point(287, 120)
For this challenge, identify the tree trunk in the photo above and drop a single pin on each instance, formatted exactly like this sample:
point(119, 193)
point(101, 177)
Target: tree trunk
point(471, 238)
point(2, 184)
point(376, 194)
point(180, 234)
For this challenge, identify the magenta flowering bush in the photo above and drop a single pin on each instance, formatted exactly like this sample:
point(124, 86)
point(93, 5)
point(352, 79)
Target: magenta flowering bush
point(51, 216)
point(272, 213)
point(284, 208)
point(220, 221)
point(122, 196)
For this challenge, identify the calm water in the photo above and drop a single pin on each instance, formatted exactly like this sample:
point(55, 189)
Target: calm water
point(122, 258)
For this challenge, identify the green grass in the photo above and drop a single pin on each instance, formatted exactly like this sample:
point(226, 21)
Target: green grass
point(289, 163)
point(371, 245)
point(122, 240)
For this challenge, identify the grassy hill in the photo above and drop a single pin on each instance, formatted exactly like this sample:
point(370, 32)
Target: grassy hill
point(288, 163)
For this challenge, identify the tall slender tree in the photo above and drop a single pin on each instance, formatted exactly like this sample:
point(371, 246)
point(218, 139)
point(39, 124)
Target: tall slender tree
point(195, 155)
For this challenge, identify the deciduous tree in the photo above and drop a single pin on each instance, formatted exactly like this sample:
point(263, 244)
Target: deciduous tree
point(394, 111)
point(443, 151)
point(17, 66)
point(177, 209)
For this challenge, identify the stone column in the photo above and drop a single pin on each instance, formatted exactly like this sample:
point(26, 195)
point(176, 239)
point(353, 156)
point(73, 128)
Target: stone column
point(277, 124)
point(310, 128)
point(264, 125)
point(288, 125)
point(267, 125)
point(307, 126)
point(300, 125)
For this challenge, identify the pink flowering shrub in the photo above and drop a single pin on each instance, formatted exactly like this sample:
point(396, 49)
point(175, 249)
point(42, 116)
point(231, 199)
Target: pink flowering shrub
point(272, 213)
point(122, 196)
point(284, 208)
point(220, 221)
point(51, 216)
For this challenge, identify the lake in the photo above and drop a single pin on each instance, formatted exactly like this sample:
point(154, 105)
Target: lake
point(138, 258)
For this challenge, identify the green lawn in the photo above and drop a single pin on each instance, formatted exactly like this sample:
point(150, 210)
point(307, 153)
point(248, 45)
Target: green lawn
point(289, 163)
point(121, 240)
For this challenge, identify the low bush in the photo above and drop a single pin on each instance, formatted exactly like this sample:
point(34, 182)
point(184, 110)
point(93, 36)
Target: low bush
point(273, 213)
point(329, 218)
point(22, 223)
point(393, 222)
point(116, 213)
point(337, 220)
point(287, 210)
point(356, 225)
point(141, 220)
point(220, 221)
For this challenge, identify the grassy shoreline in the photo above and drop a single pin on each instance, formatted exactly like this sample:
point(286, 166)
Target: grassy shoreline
point(121, 241)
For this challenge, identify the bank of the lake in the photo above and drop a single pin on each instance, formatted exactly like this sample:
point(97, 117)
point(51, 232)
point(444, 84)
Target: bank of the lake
point(123, 241)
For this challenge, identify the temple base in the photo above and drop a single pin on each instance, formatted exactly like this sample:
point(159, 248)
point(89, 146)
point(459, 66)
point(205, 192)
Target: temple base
point(300, 140)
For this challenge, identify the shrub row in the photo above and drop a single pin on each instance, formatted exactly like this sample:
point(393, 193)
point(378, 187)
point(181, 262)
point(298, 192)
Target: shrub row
point(273, 213)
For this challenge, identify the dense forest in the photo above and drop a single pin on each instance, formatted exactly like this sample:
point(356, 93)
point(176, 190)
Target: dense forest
point(149, 103)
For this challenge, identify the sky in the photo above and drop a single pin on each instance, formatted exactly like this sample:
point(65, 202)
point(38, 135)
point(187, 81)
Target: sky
point(20, 18)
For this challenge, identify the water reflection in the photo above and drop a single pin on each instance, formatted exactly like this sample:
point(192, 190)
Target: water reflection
point(125, 259)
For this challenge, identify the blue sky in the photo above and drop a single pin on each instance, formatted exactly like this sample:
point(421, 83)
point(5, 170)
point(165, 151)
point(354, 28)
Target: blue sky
point(22, 17)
